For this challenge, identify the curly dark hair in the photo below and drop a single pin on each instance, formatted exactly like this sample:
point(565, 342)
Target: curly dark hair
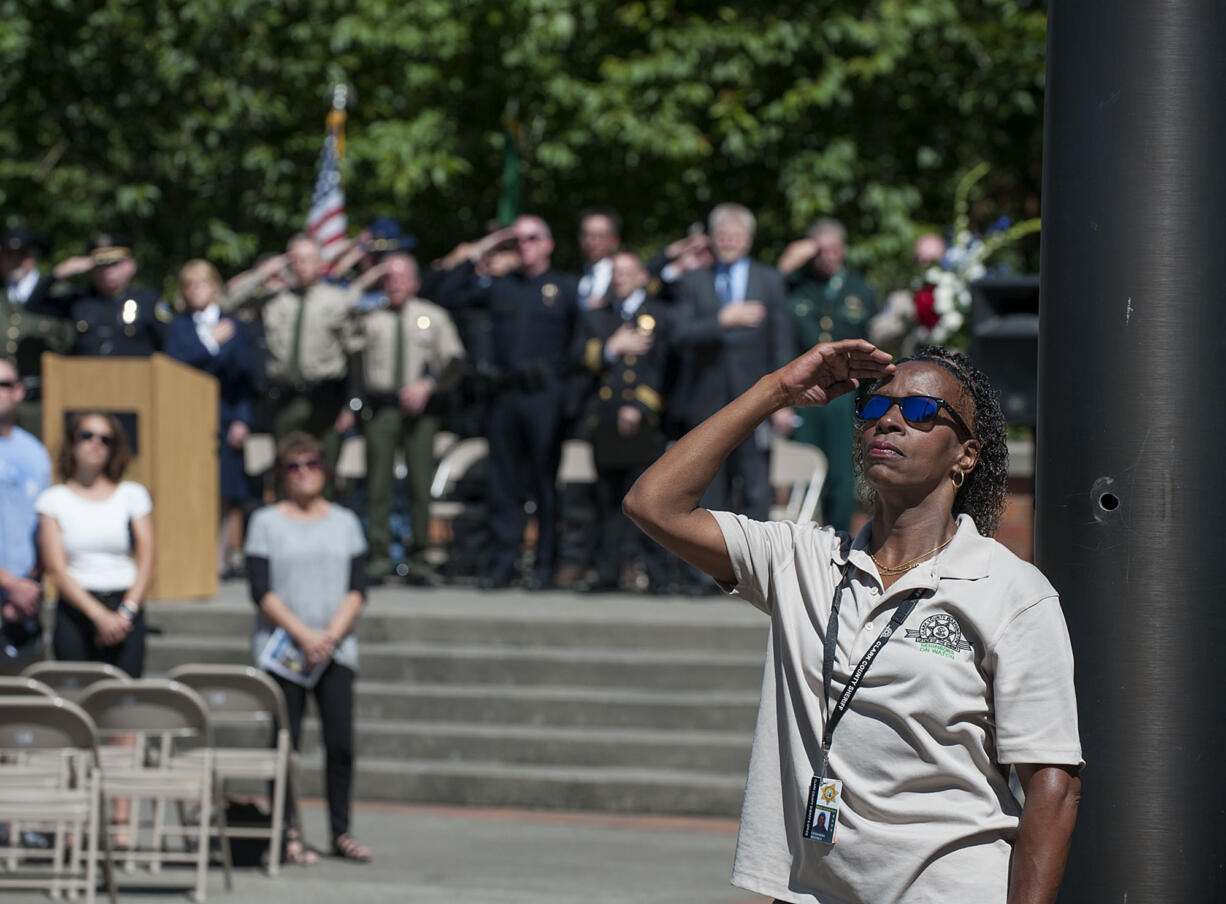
point(982, 495)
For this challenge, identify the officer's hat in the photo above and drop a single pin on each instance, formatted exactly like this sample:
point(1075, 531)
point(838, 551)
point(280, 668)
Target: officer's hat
point(110, 248)
point(15, 238)
point(386, 236)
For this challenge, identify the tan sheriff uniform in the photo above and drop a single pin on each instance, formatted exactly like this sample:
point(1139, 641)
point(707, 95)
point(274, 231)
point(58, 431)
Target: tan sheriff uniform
point(309, 338)
point(401, 346)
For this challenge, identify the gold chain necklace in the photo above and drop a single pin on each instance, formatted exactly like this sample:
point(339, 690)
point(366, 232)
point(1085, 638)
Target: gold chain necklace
point(907, 566)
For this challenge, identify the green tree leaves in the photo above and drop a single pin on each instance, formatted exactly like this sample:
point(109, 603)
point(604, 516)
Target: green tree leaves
point(194, 125)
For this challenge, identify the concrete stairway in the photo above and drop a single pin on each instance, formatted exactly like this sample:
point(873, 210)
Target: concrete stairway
point(614, 703)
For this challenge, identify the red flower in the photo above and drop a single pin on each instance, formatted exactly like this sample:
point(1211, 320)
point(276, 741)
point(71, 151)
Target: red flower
point(925, 307)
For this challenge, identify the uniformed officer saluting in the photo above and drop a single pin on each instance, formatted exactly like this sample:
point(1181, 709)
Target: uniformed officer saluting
point(533, 312)
point(624, 346)
point(310, 330)
point(410, 349)
point(829, 303)
point(113, 317)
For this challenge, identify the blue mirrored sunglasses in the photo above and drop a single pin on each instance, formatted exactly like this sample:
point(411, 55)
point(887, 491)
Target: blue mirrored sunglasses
point(916, 409)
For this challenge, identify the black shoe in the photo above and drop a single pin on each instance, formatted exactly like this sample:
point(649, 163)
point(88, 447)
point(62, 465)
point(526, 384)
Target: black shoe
point(598, 587)
point(423, 577)
point(539, 584)
point(494, 582)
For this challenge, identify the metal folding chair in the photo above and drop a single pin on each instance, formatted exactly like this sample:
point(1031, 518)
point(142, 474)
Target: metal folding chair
point(454, 465)
point(801, 469)
point(21, 686)
point(71, 679)
point(241, 695)
point(169, 715)
point(49, 777)
point(17, 686)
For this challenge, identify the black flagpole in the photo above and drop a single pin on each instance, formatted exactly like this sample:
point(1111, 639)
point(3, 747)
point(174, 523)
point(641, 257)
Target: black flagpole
point(1131, 443)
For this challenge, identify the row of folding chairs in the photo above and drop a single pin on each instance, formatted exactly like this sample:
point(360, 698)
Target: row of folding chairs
point(57, 771)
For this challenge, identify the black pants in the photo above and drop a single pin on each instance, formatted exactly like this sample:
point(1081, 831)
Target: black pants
point(747, 468)
point(524, 433)
point(618, 540)
point(74, 638)
point(334, 700)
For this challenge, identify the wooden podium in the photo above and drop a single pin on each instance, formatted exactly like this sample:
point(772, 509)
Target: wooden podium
point(169, 411)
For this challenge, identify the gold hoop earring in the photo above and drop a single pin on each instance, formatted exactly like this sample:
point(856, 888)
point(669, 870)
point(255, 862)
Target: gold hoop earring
point(958, 479)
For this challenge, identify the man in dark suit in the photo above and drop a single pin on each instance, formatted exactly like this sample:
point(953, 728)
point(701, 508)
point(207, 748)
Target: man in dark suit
point(599, 236)
point(623, 345)
point(732, 328)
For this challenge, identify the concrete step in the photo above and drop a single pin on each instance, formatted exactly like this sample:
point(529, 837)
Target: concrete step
point(705, 751)
point(500, 664)
point(497, 784)
point(558, 706)
point(552, 701)
point(459, 617)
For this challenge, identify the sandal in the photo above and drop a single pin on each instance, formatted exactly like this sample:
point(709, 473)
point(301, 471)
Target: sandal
point(298, 851)
point(349, 848)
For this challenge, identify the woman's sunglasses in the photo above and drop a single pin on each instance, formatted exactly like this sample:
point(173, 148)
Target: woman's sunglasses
point(310, 464)
point(84, 436)
point(916, 409)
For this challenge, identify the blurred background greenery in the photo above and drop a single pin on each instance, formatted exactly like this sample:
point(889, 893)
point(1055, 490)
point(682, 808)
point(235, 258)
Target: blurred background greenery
point(194, 126)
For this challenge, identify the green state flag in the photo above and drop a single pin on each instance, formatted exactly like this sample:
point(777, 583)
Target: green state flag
point(510, 199)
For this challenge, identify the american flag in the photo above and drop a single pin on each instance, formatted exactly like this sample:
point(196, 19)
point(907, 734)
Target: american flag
point(326, 221)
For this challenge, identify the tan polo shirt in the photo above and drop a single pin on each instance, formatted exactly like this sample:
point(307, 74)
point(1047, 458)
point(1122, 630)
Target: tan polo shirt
point(329, 332)
point(432, 346)
point(980, 674)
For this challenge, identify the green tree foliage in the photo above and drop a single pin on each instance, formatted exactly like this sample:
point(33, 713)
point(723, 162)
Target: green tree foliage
point(195, 125)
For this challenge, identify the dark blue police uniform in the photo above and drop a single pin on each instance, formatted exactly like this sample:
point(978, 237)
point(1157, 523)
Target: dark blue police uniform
point(126, 325)
point(637, 381)
point(532, 321)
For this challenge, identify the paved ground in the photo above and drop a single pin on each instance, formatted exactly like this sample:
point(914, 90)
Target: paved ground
point(443, 855)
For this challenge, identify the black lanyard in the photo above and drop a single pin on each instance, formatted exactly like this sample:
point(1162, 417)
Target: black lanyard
point(835, 714)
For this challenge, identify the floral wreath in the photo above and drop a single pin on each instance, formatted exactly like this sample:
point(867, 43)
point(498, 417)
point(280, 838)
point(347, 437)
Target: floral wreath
point(944, 301)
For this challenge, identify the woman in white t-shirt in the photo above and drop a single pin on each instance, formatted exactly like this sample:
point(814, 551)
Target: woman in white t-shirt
point(95, 533)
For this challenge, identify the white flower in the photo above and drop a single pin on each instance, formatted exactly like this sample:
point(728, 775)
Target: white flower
point(943, 297)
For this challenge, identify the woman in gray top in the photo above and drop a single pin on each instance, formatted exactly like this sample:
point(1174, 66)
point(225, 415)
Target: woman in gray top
point(306, 561)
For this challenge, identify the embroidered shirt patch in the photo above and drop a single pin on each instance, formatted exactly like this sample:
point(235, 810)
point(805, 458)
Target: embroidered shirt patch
point(940, 634)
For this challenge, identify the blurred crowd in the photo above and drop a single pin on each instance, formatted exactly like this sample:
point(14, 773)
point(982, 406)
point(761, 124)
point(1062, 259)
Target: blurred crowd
point(492, 340)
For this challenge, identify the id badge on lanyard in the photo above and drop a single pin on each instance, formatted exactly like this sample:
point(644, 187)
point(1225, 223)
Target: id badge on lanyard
point(825, 793)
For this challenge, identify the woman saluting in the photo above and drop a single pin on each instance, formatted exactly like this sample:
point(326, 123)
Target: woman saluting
point(908, 667)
